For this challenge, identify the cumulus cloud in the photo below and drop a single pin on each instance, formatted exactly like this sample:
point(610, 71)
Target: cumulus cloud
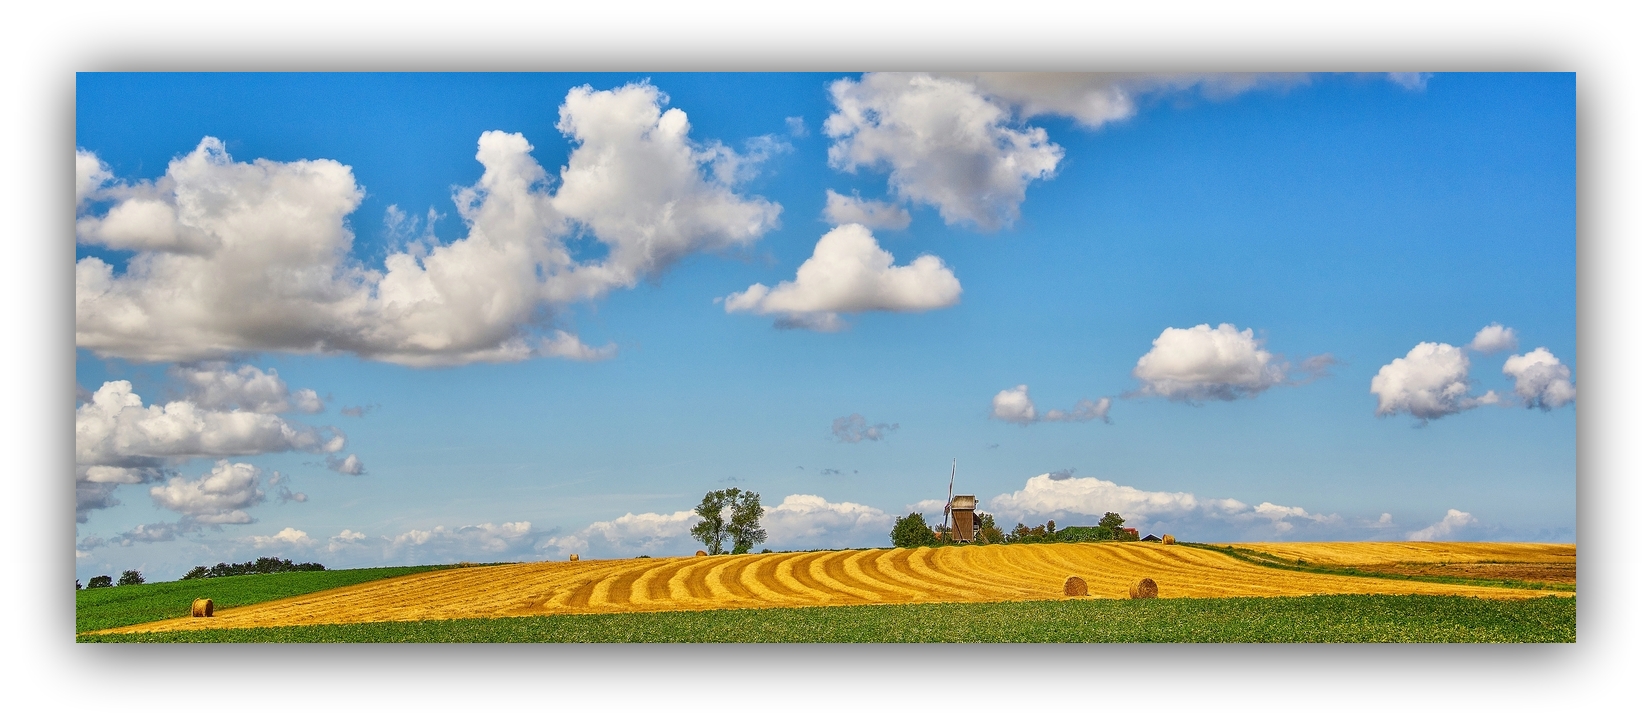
point(287, 537)
point(1082, 500)
point(1540, 379)
point(849, 273)
point(1201, 363)
point(1429, 383)
point(1015, 406)
point(345, 539)
point(1494, 338)
point(942, 142)
point(854, 428)
point(216, 385)
point(1446, 529)
point(350, 465)
point(442, 543)
point(91, 174)
point(116, 436)
point(233, 257)
point(630, 534)
point(841, 209)
point(217, 497)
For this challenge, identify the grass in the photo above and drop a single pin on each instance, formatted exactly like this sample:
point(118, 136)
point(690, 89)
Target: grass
point(110, 607)
point(1311, 619)
point(1257, 557)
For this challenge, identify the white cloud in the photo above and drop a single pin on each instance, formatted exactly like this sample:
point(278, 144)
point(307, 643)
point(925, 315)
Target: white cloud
point(1201, 363)
point(849, 273)
point(1494, 338)
point(841, 209)
point(450, 544)
point(1095, 99)
point(632, 534)
point(91, 174)
point(287, 537)
point(215, 385)
point(1410, 81)
point(1083, 500)
point(1429, 383)
point(809, 521)
point(1540, 379)
point(235, 257)
point(116, 430)
point(217, 497)
point(350, 465)
point(345, 539)
point(1447, 528)
point(854, 428)
point(943, 143)
point(1014, 405)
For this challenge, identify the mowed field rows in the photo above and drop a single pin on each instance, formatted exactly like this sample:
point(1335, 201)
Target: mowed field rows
point(803, 579)
point(1534, 562)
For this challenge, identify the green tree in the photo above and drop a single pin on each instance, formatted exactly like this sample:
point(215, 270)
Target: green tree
point(745, 514)
point(131, 577)
point(712, 529)
point(989, 533)
point(912, 531)
point(99, 581)
point(1112, 526)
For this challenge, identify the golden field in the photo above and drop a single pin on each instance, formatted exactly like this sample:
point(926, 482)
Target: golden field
point(854, 577)
point(1536, 562)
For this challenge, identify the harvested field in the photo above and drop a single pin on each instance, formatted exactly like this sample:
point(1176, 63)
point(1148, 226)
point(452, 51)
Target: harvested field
point(1532, 562)
point(803, 579)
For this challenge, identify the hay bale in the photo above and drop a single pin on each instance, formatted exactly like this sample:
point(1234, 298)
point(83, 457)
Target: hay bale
point(1146, 589)
point(699, 553)
point(1076, 587)
point(201, 608)
point(1169, 539)
point(574, 557)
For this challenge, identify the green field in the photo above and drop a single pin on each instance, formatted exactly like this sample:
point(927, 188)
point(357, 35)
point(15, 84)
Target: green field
point(110, 607)
point(1312, 619)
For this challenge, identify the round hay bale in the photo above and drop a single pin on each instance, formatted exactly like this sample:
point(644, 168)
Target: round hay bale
point(1169, 539)
point(201, 608)
point(1076, 587)
point(1146, 589)
point(574, 557)
point(699, 553)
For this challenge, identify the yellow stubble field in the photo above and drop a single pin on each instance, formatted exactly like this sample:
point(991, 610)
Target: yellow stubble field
point(847, 577)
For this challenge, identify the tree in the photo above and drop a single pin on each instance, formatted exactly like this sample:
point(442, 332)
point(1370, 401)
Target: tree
point(1112, 527)
point(989, 534)
point(743, 522)
point(131, 577)
point(77, 583)
point(99, 581)
point(912, 531)
point(713, 528)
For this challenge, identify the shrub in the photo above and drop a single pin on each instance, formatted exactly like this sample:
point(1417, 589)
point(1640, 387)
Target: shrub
point(99, 581)
point(911, 531)
point(131, 577)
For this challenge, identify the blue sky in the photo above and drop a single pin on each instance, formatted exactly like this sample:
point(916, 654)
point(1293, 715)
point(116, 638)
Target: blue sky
point(1355, 216)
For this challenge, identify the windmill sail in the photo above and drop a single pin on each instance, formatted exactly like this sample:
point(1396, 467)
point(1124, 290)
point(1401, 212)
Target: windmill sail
point(946, 511)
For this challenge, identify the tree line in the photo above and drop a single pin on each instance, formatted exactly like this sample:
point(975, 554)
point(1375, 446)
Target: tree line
point(913, 531)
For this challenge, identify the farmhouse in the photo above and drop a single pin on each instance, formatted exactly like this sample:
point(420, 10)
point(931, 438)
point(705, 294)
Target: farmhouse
point(1150, 538)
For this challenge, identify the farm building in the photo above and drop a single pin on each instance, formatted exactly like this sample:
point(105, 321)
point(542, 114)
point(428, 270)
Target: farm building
point(1130, 531)
point(965, 520)
point(1150, 538)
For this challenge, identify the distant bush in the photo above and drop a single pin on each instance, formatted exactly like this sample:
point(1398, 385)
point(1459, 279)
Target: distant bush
point(261, 566)
point(100, 581)
point(911, 531)
point(131, 577)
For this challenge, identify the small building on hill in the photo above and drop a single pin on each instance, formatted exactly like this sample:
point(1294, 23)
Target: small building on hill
point(965, 520)
point(1149, 538)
